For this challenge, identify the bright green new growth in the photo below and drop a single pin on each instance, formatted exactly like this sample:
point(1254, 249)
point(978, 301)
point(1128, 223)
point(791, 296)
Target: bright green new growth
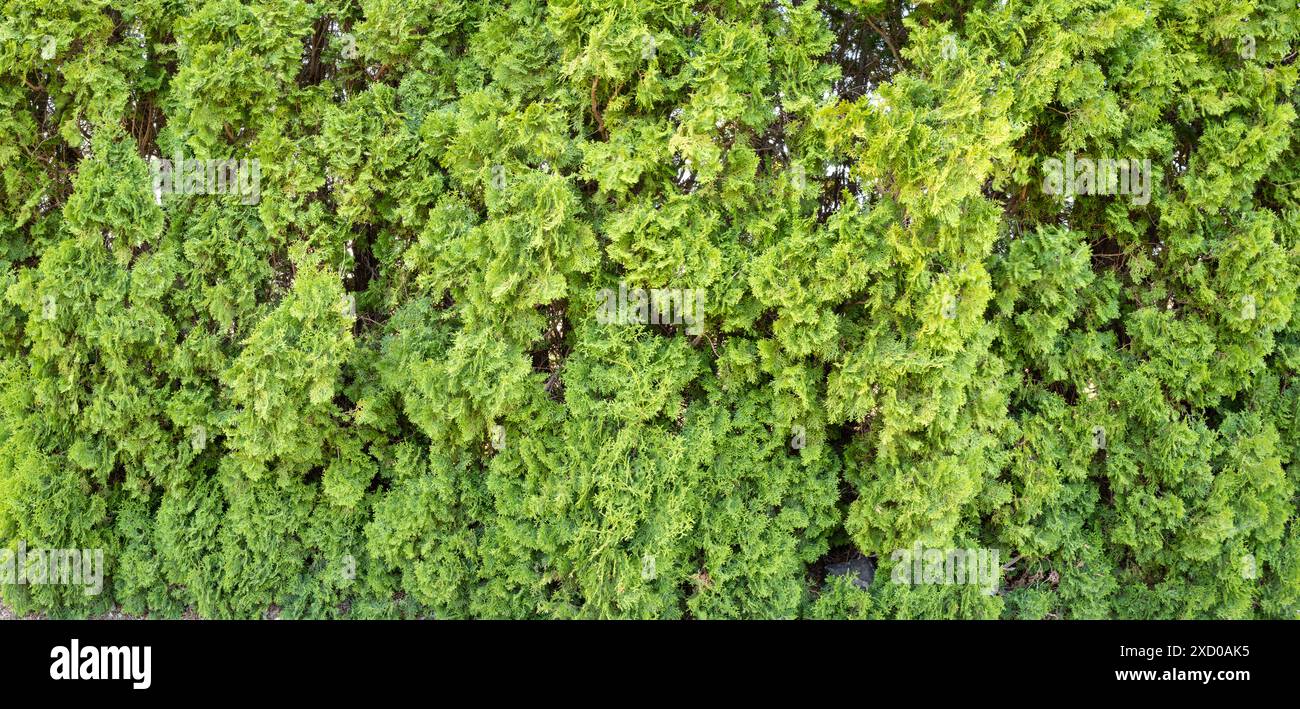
point(382, 389)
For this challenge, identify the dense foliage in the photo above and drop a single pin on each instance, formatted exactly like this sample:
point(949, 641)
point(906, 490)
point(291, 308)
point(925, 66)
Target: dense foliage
point(382, 389)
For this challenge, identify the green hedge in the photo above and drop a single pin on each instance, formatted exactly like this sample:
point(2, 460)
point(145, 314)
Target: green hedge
point(373, 374)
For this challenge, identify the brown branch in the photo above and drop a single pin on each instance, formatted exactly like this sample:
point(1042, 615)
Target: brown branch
point(600, 122)
point(888, 42)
